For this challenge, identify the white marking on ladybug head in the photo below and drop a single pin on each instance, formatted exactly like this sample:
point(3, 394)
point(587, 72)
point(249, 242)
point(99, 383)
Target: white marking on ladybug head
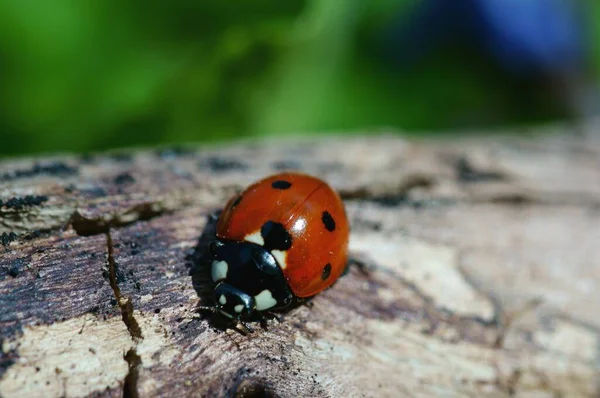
point(238, 308)
point(219, 270)
point(264, 300)
point(255, 237)
point(280, 257)
point(223, 299)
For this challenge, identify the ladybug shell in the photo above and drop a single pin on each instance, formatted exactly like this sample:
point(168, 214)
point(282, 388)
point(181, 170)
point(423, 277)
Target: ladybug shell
point(300, 220)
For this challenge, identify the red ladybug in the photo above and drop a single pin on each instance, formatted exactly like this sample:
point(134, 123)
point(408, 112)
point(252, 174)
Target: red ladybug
point(283, 239)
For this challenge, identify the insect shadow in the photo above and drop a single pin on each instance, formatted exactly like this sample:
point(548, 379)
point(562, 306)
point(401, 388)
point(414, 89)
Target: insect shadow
point(199, 262)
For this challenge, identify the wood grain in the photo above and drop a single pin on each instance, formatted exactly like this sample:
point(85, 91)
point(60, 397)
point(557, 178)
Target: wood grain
point(482, 258)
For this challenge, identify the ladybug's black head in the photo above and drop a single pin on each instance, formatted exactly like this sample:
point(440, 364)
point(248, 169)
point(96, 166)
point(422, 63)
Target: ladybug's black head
point(248, 280)
point(232, 302)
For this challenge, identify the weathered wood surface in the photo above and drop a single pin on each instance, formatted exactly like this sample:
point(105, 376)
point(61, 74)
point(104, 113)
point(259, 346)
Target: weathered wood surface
point(483, 258)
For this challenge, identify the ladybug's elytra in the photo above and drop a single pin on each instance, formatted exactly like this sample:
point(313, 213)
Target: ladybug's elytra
point(283, 239)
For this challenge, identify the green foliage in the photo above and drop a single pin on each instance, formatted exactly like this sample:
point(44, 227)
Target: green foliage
point(83, 76)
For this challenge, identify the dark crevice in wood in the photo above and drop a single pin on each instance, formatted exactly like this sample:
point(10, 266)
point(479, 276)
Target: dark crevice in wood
point(513, 199)
point(523, 200)
point(400, 192)
point(21, 203)
point(7, 359)
point(6, 238)
point(405, 201)
point(474, 329)
point(56, 169)
point(131, 380)
point(84, 226)
point(508, 199)
point(465, 172)
point(250, 388)
point(512, 382)
point(132, 357)
point(398, 196)
point(220, 164)
point(124, 302)
point(507, 320)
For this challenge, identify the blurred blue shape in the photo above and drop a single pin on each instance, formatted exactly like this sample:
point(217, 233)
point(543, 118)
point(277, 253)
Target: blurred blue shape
point(523, 36)
point(539, 43)
point(526, 35)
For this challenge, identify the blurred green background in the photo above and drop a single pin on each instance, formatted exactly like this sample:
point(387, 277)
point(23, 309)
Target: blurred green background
point(85, 76)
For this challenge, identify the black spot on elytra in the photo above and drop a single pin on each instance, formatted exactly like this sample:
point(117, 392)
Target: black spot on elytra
point(281, 184)
point(328, 221)
point(237, 201)
point(275, 236)
point(326, 271)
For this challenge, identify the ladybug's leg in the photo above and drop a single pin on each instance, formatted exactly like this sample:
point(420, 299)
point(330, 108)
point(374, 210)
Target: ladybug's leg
point(263, 323)
point(245, 328)
point(274, 316)
point(263, 319)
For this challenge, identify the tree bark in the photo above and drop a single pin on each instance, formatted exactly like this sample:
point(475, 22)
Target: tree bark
point(482, 272)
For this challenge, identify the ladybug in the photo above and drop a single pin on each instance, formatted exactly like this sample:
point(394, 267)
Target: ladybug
point(282, 240)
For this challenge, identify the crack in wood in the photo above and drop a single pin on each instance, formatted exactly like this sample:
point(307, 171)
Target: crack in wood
point(469, 327)
point(130, 387)
point(126, 306)
point(512, 382)
point(7, 358)
point(19, 204)
point(392, 193)
point(466, 172)
point(507, 320)
point(250, 388)
point(84, 226)
point(56, 168)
